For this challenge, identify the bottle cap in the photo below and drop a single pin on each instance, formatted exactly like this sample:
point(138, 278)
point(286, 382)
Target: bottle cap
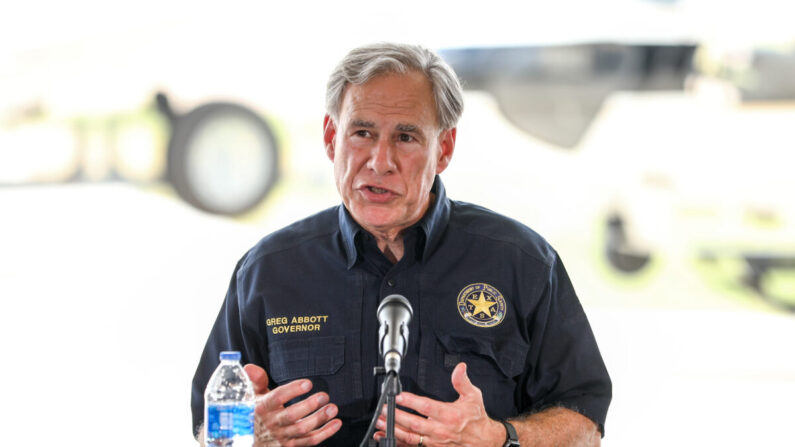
point(230, 355)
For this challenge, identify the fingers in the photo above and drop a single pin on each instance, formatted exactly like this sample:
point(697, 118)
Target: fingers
point(410, 422)
point(304, 416)
point(259, 378)
point(306, 422)
point(403, 437)
point(280, 395)
point(422, 405)
point(317, 436)
point(461, 382)
point(403, 434)
point(444, 423)
point(438, 410)
point(306, 427)
point(313, 437)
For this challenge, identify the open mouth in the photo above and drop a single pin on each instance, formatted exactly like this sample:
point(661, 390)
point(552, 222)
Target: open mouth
point(377, 190)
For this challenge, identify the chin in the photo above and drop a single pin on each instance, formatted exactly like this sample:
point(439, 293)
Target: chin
point(378, 223)
point(375, 219)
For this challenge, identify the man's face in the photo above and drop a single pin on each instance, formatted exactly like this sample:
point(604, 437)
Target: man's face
point(387, 148)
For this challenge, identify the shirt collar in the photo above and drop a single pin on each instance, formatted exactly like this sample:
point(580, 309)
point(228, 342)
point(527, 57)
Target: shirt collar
point(433, 224)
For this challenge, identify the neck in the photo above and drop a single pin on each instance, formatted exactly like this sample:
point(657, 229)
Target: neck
point(390, 242)
point(391, 245)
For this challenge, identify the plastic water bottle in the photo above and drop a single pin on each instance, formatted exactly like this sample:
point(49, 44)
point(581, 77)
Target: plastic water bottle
point(229, 405)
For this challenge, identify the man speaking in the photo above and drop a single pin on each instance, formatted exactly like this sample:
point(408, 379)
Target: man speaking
point(500, 353)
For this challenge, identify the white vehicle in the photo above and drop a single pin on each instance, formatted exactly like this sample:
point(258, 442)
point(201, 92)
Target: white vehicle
point(676, 149)
point(220, 156)
point(674, 143)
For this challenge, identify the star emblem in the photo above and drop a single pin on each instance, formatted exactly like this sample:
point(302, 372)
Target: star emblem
point(481, 305)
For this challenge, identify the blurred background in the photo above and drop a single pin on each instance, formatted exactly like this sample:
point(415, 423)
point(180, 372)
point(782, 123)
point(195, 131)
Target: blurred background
point(145, 147)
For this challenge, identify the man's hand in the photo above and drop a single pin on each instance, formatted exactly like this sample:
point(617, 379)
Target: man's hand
point(465, 422)
point(460, 423)
point(305, 423)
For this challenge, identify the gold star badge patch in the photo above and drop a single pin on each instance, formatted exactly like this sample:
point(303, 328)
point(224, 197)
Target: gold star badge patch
point(481, 305)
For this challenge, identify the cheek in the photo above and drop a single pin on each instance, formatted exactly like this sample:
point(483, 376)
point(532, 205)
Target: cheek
point(339, 171)
point(344, 171)
point(425, 172)
point(422, 180)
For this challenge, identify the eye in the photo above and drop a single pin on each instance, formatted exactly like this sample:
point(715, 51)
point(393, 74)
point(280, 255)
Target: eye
point(362, 133)
point(405, 138)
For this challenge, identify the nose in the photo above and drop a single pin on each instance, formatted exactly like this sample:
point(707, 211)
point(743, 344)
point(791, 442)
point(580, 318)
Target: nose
point(382, 158)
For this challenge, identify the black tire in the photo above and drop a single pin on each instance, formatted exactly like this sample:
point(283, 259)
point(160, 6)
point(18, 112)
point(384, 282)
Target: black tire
point(222, 158)
point(758, 266)
point(619, 251)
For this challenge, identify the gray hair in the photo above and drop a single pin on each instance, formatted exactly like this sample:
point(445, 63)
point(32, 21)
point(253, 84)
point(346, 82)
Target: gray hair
point(364, 63)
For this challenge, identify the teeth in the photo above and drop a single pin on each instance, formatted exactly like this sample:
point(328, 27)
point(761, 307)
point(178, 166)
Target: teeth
point(377, 190)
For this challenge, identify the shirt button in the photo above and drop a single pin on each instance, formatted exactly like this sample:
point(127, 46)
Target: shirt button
point(391, 283)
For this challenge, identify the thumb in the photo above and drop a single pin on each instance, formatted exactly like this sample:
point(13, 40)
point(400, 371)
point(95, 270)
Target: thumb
point(259, 378)
point(461, 383)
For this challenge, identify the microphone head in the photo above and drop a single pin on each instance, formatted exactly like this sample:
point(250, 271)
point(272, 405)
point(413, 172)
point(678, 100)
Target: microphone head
point(393, 301)
point(394, 314)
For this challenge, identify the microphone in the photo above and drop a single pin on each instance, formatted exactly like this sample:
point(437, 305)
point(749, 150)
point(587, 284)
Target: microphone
point(394, 313)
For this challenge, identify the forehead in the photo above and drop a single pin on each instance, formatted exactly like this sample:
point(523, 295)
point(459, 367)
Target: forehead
point(391, 95)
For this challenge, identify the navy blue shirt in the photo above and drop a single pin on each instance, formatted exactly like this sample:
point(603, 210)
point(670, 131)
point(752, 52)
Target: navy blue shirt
point(485, 290)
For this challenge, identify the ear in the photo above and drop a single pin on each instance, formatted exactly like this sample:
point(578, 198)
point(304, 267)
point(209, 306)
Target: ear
point(446, 148)
point(329, 132)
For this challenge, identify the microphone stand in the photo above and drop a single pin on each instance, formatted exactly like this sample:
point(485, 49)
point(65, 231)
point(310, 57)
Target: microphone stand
point(394, 313)
point(392, 388)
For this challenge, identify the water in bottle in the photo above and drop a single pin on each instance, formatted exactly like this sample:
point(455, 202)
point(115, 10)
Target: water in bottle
point(229, 405)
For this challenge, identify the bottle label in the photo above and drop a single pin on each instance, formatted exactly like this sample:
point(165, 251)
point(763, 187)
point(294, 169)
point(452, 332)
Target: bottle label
point(230, 420)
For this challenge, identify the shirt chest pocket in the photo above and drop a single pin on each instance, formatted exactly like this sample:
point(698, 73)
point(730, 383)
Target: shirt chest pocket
point(493, 366)
point(317, 358)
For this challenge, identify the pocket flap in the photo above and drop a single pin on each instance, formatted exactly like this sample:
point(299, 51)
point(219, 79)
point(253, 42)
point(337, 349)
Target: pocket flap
point(480, 355)
point(306, 357)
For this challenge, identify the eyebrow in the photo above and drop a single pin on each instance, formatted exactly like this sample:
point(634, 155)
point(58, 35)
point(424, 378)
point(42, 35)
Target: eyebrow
point(401, 127)
point(362, 123)
point(407, 128)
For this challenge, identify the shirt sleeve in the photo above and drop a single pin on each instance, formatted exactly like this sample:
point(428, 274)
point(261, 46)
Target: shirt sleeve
point(229, 333)
point(565, 366)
